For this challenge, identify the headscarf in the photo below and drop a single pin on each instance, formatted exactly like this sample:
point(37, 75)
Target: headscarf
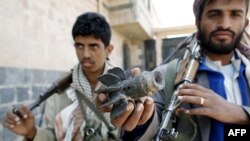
point(198, 7)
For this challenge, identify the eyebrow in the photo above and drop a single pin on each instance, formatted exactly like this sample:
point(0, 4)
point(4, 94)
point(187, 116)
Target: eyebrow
point(218, 10)
point(76, 43)
point(94, 44)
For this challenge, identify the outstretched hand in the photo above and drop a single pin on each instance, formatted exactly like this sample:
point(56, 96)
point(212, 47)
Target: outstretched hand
point(137, 112)
point(23, 125)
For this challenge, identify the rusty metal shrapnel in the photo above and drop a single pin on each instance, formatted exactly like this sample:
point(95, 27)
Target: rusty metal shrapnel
point(121, 87)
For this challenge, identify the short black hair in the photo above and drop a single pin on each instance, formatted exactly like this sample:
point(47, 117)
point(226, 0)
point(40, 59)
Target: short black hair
point(200, 5)
point(92, 23)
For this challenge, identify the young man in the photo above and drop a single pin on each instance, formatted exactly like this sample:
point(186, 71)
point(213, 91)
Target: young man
point(220, 94)
point(63, 118)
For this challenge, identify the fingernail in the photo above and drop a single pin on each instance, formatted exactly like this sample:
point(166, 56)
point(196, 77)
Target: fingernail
point(139, 107)
point(149, 101)
point(180, 98)
point(18, 123)
point(11, 126)
point(180, 86)
point(17, 118)
point(176, 92)
point(187, 111)
point(130, 107)
point(25, 116)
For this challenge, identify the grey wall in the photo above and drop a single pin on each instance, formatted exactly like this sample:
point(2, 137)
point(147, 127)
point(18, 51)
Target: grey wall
point(22, 86)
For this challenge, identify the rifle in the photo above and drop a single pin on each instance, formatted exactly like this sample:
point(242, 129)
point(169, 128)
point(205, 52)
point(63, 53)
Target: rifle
point(56, 87)
point(188, 68)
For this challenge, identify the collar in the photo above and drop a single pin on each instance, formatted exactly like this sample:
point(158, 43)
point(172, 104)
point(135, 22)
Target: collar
point(215, 66)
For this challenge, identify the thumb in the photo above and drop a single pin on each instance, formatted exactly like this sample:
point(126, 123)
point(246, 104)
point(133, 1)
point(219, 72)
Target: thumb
point(136, 71)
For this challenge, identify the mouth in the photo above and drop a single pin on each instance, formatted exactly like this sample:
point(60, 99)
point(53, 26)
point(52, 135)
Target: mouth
point(222, 35)
point(87, 64)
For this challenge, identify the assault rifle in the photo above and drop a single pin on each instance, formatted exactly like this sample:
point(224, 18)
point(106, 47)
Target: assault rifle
point(186, 73)
point(59, 85)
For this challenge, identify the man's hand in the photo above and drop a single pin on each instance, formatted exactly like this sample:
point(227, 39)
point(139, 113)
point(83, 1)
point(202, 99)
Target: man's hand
point(23, 125)
point(137, 112)
point(211, 104)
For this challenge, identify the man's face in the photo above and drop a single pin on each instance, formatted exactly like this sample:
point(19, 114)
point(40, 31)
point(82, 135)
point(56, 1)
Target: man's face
point(91, 53)
point(222, 25)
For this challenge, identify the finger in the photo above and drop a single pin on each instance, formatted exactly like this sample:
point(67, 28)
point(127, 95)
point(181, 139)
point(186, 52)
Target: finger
point(8, 125)
point(194, 86)
point(197, 111)
point(192, 99)
point(102, 97)
point(119, 121)
point(27, 112)
point(190, 92)
point(12, 118)
point(136, 71)
point(106, 109)
point(179, 111)
point(148, 111)
point(133, 119)
point(24, 111)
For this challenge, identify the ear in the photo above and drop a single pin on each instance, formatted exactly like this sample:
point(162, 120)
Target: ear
point(109, 50)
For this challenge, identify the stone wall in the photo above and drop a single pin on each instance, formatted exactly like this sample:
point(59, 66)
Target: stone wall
point(22, 87)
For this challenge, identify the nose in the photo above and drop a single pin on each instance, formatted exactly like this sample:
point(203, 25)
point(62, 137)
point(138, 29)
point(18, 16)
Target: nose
point(225, 22)
point(86, 52)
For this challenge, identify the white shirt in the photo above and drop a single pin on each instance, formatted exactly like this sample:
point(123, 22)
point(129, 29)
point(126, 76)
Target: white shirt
point(230, 73)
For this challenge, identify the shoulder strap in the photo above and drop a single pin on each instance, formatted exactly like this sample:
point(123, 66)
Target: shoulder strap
point(83, 99)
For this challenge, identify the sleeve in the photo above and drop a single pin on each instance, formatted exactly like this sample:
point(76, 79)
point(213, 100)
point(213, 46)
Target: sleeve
point(43, 134)
point(53, 106)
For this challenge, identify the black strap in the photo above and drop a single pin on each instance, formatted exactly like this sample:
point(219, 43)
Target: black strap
point(82, 98)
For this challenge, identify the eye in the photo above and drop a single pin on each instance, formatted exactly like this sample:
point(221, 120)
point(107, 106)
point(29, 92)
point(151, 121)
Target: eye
point(79, 46)
point(236, 14)
point(94, 46)
point(213, 14)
